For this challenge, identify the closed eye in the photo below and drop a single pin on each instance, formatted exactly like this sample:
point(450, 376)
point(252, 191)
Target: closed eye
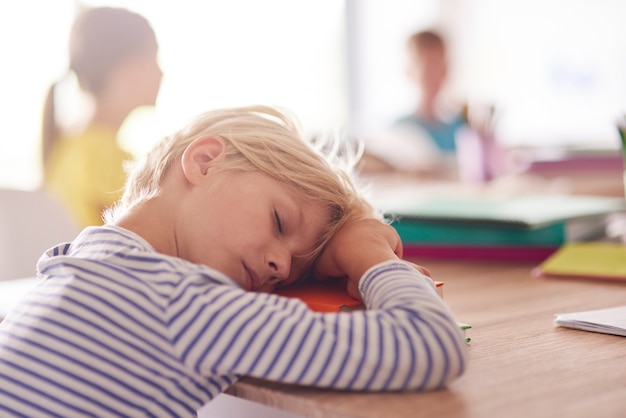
point(279, 223)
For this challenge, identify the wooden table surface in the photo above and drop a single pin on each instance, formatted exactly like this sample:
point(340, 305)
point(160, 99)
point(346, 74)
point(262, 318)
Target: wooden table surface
point(521, 365)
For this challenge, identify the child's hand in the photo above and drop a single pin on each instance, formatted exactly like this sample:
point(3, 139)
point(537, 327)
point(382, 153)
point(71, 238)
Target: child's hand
point(355, 248)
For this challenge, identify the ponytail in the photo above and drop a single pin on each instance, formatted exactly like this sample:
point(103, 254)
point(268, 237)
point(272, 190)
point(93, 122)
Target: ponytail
point(49, 128)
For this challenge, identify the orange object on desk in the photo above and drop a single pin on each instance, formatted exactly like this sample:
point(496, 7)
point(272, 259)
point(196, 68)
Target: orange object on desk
point(328, 295)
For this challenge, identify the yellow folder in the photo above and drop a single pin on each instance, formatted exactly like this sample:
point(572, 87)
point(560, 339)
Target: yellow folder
point(590, 260)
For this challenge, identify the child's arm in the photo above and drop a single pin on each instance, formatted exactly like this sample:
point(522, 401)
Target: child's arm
point(407, 339)
point(356, 248)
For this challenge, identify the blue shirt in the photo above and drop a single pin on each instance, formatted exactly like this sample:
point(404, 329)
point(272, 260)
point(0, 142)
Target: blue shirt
point(442, 133)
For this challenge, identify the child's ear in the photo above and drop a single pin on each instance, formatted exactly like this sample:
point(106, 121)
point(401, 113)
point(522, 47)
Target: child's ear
point(199, 156)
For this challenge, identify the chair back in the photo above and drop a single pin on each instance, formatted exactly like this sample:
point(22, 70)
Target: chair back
point(30, 223)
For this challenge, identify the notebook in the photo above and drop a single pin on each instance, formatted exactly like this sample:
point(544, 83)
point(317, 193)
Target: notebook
point(586, 260)
point(328, 295)
point(606, 321)
point(331, 296)
point(525, 212)
point(550, 235)
point(322, 296)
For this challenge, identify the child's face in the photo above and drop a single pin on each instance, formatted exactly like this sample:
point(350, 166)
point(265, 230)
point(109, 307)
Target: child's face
point(250, 227)
point(142, 76)
point(428, 68)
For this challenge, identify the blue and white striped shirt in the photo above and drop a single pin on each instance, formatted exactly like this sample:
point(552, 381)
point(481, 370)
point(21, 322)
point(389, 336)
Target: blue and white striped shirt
point(116, 329)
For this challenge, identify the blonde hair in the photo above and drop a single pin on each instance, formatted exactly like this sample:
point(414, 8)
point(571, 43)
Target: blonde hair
point(266, 140)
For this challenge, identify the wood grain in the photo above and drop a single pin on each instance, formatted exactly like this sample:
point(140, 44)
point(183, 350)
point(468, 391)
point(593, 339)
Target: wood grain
point(521, 365)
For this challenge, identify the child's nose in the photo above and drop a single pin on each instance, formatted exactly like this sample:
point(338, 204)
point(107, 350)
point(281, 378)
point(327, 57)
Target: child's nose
point(279, 265)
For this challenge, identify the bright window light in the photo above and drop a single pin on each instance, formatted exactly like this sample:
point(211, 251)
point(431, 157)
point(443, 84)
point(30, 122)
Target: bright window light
point(213, 54)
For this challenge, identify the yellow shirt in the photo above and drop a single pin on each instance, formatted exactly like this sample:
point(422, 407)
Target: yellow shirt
point(86, 173)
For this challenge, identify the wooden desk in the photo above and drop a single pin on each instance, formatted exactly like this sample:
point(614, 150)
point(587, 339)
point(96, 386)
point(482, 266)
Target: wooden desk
point(520, 364)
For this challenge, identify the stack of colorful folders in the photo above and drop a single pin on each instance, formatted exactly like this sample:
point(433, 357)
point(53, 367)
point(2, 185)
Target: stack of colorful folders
point(524, 228)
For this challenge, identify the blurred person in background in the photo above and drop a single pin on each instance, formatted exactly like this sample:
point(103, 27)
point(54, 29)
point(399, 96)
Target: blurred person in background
point(113, 56)
point(421, 142)
point(427, 68)
point(438, 139)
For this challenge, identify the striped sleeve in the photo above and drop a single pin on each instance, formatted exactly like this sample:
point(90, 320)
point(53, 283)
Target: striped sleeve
point(406, 340)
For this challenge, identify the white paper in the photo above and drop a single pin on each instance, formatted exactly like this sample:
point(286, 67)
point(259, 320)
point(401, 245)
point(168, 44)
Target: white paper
point(606, 321)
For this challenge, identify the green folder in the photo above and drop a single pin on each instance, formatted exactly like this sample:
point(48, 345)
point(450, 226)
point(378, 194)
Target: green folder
point(512, 221)
point(524, 212)
point(416, 231)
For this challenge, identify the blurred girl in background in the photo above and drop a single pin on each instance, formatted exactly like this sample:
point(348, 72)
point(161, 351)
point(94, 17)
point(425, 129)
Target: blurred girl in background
point(113, 55)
